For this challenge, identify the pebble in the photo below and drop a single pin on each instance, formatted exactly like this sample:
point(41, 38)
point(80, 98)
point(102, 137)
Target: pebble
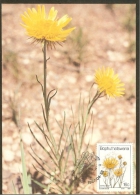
point(29, 120)
point(115, 56)
point(8, 146)
point(7, 140)
point(100, 115)
point(116, 140)
point(94, 137)
point(15, 146)
point(111, 41)
point(54, 103)
point(125, 43)
point(18, 154)
point(5, 174)
point(47, 181)
point(118, 117)
point(110, 119)
point(4, 105)
point(72, 80)
point(120, 111)
point(15, 135)
point(4, 165)
point(71, 168)
point(123, 134)
point(39, 136)
point(56, 54)
point(26, 61)
point(131, 130)
point(4, 187)
point(58, 117)
point(118, 124)
point(27, 138)
point(8, 155)
point(95, 186)
point(89, 78)
point(16, 168)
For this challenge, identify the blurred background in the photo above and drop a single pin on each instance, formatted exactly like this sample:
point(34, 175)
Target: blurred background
point(105, 35)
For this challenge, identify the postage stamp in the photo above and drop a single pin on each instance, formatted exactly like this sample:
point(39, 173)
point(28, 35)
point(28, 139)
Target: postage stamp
point(115, 167)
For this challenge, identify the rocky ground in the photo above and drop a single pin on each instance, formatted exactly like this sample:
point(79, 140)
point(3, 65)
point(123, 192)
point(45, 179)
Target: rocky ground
point(104, 35)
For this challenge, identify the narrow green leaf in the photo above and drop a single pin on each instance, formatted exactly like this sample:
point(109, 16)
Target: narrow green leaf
point(41, 185)
point(46, 187)
point(60, 160)
point(50, 168)
point(66, 160)
point(45, 135)
point(60, 127)
point(50, 98)
point(50, 133)
point(39, 83)
point(42, 146)
point(14, 188)
point(74, 149)
point(30, 184)
point(61, 134)
point(24, 171)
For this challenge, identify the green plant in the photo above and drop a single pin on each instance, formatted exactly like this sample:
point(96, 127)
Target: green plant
point(13, 105)
point(69, 162)
point(10, 61)
point(63, 179)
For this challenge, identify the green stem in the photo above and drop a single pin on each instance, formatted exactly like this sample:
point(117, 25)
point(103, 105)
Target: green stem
point(46, 99)
point(45, 79)
point(97, 95)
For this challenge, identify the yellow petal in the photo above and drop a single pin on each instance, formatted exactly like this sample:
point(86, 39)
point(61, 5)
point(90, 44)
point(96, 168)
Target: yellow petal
point(52, 14)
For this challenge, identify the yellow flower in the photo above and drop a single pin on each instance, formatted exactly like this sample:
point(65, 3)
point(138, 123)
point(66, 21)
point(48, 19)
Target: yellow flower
point(110, 163)
point(108, 82)
point(105, 173)
point(120, 156)
point(118, 172)
point(42, 27)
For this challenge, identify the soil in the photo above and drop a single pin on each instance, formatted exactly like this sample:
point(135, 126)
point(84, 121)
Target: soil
point(104, 36)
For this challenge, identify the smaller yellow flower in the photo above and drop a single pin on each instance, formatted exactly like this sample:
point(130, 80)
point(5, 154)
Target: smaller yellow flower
point(108, 82)
point(110, 163)
point(124, 163)
point(120, 156)
point(118, 172)
point(105, 173)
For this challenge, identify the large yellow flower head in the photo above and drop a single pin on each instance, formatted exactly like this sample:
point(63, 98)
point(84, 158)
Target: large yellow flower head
point(110, 163)
point(42, 27)
point(108, 82)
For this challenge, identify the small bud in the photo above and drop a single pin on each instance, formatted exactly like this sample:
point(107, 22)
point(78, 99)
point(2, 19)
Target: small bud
point(124, 163)
point(120, 156)
point(105, 173)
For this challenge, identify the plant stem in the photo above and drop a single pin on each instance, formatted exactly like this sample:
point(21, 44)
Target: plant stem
point(97, 95)
point(46, 98)
point(45, 78)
